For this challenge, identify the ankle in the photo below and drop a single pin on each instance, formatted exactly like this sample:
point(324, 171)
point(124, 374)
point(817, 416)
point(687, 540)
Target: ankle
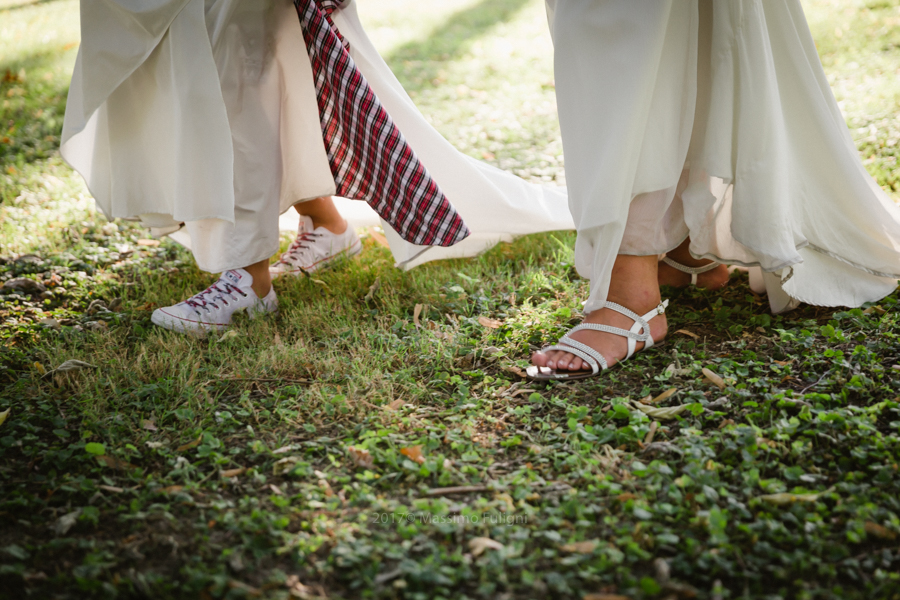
point(336, 225)
point(261, 289)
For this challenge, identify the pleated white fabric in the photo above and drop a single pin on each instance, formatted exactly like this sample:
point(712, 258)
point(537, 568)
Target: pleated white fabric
point(204, 112)
point(715, 120)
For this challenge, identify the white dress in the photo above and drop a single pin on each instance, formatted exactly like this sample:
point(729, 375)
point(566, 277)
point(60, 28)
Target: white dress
point(715, 120)
point(204, 112)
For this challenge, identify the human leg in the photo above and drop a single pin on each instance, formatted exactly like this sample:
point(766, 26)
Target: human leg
point(713, 279)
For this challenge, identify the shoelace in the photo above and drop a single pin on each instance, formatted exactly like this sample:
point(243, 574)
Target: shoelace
point(200, 300)
point(299, 244)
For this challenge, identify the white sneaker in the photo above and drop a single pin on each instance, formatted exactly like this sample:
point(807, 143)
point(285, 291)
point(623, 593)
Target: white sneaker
point(315, 249)
point(213, 308)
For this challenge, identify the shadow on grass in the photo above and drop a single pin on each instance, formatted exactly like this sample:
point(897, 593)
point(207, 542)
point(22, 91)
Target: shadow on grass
point(423, 59)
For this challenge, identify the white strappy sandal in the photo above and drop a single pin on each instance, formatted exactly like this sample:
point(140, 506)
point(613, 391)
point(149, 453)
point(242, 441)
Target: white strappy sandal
point(591, 356)
point(692, 271)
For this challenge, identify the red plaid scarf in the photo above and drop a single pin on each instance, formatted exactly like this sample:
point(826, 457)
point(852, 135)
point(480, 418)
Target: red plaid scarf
point(369, 157)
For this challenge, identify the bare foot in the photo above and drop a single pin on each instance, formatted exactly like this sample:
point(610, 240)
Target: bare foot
point(710, 280)
point(633, 285)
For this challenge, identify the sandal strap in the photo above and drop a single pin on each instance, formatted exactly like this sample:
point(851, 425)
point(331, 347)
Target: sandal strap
point(582, 351)
point(692, 271)
point(594, 358)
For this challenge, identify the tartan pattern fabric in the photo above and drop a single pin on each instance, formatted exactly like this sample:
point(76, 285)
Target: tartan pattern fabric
point(369, 157)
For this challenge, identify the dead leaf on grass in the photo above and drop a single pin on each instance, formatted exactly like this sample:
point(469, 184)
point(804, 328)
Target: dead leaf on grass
point(115, 463)
point(111, 488)
point(416, 312)
point(414, 453)
point(277, 340)
point(285, 464)
point(148, 243)
point(69, 365)
point(189, 445)
point(515, 371)
point(664, 396)
point(480, 544)
point(586, 547)
point(714, 378)
point(361, 457)
point(489, 323)
point(66, 522)
point(395, 405)
point(785, 498)
point(879, 531)
point(149, 425)
point(690, 334)
point(228, 473)
point(663, 414)
point(172, 489)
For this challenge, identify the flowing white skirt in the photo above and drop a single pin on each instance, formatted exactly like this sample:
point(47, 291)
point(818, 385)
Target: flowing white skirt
point(204, 112)
point(715, 120)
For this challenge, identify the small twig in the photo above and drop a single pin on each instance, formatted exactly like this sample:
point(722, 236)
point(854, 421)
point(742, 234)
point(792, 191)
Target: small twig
point(812, 385)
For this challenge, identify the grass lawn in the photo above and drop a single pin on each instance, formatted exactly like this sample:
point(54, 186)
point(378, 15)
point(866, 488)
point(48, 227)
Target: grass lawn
point(309, 455)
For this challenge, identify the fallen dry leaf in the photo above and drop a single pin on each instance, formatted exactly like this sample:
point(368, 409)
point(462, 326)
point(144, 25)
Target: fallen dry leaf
point(489, 323)
point(413, 453)
point(714, 378)
point(232, 472)
point(586, 547)
point(784, 498)
point(285, 464)
point(111, 488)
point(172, 489)
point(319, 281)
point(230, 334)
point(515, 371)
point(416, 312)
point(653, 427)
point(361, 457)
point(66, 522)
point(480, 544)
point(283, 449)
point(148, 243)
point(277, 340)
point(3, 415)
point(149, 425)
point(688, 333)
point(39, 368)
point(663, 414)
point(879, 531)
point(396, 404)
point(189, 445)
point(115, 463)
point(664, 396)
